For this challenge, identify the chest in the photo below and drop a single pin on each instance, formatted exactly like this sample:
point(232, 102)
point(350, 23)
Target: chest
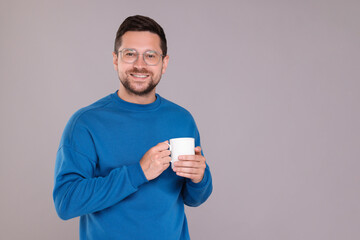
point(122, 139)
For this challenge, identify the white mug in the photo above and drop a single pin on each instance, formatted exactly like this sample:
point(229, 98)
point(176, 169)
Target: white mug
point(181, 146)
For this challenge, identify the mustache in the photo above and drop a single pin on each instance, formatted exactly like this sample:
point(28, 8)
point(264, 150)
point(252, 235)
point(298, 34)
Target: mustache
point(137, 70)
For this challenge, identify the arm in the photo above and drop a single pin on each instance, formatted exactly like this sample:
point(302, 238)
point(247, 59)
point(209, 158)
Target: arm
point(77, 192)
point(194, 194)
point(198, 185)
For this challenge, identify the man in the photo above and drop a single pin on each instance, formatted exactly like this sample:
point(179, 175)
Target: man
point(112, 167)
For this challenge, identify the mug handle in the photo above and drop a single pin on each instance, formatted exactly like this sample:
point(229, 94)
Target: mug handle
point(169, 146)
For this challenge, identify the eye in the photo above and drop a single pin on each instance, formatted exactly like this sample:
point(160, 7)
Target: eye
point(151, 55)
point(129, 54)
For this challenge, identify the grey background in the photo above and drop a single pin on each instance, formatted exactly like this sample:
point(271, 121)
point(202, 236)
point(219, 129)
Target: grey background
point(273, 85)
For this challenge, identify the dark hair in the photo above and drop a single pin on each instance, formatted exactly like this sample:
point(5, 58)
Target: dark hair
point(140, 23)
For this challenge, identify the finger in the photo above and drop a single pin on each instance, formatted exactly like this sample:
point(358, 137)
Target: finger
point(186, 175)
point(162, 146)
point(191, 158)
point(187, 170)
point(166, 160)
point(198, 150)
point(189, 164)
point(164, 153)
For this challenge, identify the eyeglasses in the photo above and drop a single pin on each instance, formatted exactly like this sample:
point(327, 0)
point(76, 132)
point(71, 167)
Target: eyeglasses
point(130, 55)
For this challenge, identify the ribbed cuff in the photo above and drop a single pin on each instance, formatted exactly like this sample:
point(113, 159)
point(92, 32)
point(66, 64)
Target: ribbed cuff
point(200, 184)
point(136, 175)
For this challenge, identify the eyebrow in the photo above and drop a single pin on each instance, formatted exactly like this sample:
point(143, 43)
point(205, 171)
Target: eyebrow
point(146, 50)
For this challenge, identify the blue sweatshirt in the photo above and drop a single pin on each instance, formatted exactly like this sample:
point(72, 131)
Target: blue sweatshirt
point(99, 178)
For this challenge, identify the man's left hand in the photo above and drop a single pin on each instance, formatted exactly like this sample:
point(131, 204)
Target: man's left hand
point(191, 166)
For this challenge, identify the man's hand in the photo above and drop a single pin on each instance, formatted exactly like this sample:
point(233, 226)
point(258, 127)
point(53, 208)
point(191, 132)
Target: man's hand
point(156, 160)
point(191, 166)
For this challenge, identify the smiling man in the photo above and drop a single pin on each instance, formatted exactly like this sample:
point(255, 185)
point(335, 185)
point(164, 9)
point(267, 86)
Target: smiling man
point(139, 76)
point(112, 167)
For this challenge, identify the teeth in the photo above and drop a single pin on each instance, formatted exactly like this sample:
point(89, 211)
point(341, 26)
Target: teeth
point(139, 76)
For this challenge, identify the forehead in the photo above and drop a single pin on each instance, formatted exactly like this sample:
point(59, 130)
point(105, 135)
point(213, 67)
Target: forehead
point(141, 41)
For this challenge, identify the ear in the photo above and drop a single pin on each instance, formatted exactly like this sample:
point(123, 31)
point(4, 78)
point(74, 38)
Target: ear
point(115, 61)
point(165, 64)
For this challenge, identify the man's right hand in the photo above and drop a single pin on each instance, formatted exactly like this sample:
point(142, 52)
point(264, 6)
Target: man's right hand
point(156, 160)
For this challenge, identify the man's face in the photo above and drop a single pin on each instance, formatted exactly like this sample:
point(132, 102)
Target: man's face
point(138, 78)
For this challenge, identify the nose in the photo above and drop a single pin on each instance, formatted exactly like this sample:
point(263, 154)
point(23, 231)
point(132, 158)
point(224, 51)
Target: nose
point(140, 63)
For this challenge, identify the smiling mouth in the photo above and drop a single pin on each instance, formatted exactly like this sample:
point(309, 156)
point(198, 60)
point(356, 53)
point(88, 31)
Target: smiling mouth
point(139, 75)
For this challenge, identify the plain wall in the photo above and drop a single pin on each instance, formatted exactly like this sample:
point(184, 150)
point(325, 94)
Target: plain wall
point(273, 85)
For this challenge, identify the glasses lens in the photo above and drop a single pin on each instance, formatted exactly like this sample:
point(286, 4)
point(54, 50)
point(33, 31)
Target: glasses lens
point(129, 55)
point(151, 57)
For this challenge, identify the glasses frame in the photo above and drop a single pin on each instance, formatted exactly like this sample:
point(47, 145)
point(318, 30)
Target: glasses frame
point(143, 54)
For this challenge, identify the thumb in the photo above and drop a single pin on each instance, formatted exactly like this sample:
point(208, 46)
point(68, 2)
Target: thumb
point(198, 150)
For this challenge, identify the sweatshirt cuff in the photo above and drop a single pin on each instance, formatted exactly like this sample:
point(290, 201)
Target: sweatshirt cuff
point(200, 184)
point(136, 175)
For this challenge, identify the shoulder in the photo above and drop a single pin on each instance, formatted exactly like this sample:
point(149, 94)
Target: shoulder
point(177, 113)
point(80, 121)
point(85, 113)
point(170, 106)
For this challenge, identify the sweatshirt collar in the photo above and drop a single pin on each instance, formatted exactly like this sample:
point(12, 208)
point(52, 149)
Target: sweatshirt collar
point(134, 106)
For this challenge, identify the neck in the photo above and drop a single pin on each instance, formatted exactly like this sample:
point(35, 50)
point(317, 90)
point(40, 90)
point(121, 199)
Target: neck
point(133, 98)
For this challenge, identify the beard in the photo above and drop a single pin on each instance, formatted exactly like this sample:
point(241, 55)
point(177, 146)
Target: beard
point(128, 85)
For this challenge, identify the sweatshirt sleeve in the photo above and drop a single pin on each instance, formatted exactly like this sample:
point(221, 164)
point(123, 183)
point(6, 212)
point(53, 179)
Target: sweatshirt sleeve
point(194, 194)
point(77, 189)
